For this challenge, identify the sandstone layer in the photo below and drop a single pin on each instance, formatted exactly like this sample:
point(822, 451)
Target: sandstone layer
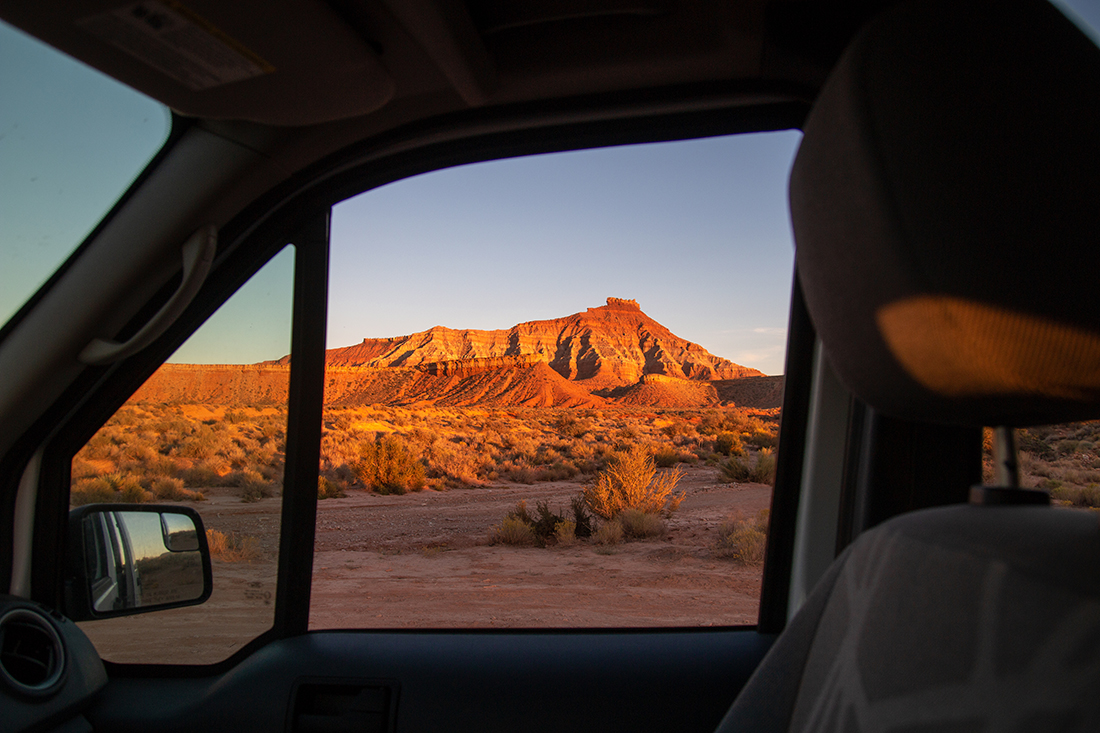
point(614, 354)
point(613, 345)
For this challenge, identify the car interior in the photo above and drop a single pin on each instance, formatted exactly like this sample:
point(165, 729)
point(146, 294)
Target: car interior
point(944, 208)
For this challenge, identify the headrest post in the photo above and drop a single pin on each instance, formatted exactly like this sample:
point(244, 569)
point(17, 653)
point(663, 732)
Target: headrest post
point(1006, 471)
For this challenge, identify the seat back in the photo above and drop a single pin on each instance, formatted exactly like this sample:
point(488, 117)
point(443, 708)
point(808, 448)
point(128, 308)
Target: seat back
point(946, 207)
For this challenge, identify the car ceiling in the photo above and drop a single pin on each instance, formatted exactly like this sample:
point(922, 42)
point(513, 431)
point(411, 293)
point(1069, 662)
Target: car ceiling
point(379, 63)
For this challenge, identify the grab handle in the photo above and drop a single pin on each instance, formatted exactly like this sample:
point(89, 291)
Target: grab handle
point(198, 255)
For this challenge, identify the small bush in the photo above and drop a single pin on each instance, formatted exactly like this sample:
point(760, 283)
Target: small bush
point(640, 525)
point(666, 456)
point(201, 475)
point(171, 489)
point(328, 489)
point(630, 481)
point(232, 547)
point(1085, 496)
point(583, 522)
point(253, 485)
point(512, 531)
point(565, 532)
point(91, 491)
point(736, 470)
point(389, 467)
point(743, 540)
point(609, 533)
point(728, 444)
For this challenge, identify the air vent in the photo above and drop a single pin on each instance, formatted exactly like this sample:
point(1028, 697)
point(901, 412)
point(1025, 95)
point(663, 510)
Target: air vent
point(32, 658)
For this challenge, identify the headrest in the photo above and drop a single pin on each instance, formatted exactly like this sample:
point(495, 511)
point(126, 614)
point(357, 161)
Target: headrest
point(946, 211)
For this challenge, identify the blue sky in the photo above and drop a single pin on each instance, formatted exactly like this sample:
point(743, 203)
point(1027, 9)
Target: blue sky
point(696, 231)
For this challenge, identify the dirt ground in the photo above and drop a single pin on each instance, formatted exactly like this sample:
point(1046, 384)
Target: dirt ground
point(422, 560)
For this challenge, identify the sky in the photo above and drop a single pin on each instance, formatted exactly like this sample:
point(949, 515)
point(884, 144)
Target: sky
point(697, 232)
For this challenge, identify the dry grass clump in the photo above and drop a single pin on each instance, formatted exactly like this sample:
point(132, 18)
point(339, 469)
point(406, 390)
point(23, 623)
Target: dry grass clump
point(512, 531)
point(743, 539)
point(666, 456)
point(546, 526)
point(728, 444)
point(253, 485)
point(170, 454)
point(232, 547)
point(389, 467)
point(1079, 496)
point(329, 489)
point(761, 470)
point(171, 489)
point(639, 525)
point(108, 488)
point(609, 533)
point(631, 481)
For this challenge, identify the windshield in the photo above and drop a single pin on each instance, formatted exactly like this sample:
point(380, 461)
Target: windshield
point(72, 140)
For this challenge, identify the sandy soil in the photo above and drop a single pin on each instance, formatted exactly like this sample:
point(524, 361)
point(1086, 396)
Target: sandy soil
point(422, 561)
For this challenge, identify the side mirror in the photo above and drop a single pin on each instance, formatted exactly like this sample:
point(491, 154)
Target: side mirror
point(124, 559)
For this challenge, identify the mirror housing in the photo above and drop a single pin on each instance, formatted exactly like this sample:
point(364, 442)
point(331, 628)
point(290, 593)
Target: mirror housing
point(124, 559)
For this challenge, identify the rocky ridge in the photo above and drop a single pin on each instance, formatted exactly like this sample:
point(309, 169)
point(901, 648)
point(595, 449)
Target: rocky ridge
point(612, 354)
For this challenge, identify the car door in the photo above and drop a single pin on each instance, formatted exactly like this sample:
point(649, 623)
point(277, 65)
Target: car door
point(394, 679)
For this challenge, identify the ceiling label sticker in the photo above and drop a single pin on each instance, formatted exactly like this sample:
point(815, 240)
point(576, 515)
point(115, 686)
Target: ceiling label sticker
point(177, 41)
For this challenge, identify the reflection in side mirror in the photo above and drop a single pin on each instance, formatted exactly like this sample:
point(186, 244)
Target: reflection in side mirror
point(125, 559)
point(179, 532)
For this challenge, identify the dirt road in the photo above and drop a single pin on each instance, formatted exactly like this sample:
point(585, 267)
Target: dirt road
point(422, 560)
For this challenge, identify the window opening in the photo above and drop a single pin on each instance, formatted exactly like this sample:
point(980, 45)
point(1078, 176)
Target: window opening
point(207, 430)
point(72, 140)
point(485, 398)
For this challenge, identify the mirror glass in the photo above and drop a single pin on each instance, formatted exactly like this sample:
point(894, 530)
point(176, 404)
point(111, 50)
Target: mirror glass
point(139, 559)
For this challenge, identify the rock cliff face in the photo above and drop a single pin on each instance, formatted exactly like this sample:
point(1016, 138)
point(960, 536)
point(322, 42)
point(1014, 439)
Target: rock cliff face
point(614, 354)
point(613, 345)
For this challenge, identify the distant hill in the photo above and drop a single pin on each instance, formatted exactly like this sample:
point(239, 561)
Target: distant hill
point(613, 354)
point(613, 345)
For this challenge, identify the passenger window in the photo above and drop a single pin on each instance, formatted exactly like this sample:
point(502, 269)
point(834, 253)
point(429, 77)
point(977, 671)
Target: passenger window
point(505, 445)
point(207, 430)
point(1063, 460)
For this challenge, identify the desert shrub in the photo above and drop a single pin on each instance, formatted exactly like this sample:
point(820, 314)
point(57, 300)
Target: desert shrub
point(666, 456)
point(763, 472)
point(728, 444)
point(558, 471)
point(200, 475)
point(572, 427)
point(640, 525)
point(456, 462)
point(520, 473)
point(132, 492)
point(91, 491)
point(1079, 496)
point(742, 539)
point(82, 469)
point(512, 531)
point(171, 489)
point(253, 485)
point(735, 470)
point(546, 521)
point(329, 489)
point(565, 532)
point(631, 481)
point(739, 470)
point(583, 521)
point(389, 467)
point(232, 547)
point(609, 533)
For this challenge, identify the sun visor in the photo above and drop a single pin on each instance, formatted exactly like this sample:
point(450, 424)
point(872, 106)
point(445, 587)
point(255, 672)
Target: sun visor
point(280, 63)
point(946, 209)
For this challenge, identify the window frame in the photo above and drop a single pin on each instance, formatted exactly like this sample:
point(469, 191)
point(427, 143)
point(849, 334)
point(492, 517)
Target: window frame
point(298, 212)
